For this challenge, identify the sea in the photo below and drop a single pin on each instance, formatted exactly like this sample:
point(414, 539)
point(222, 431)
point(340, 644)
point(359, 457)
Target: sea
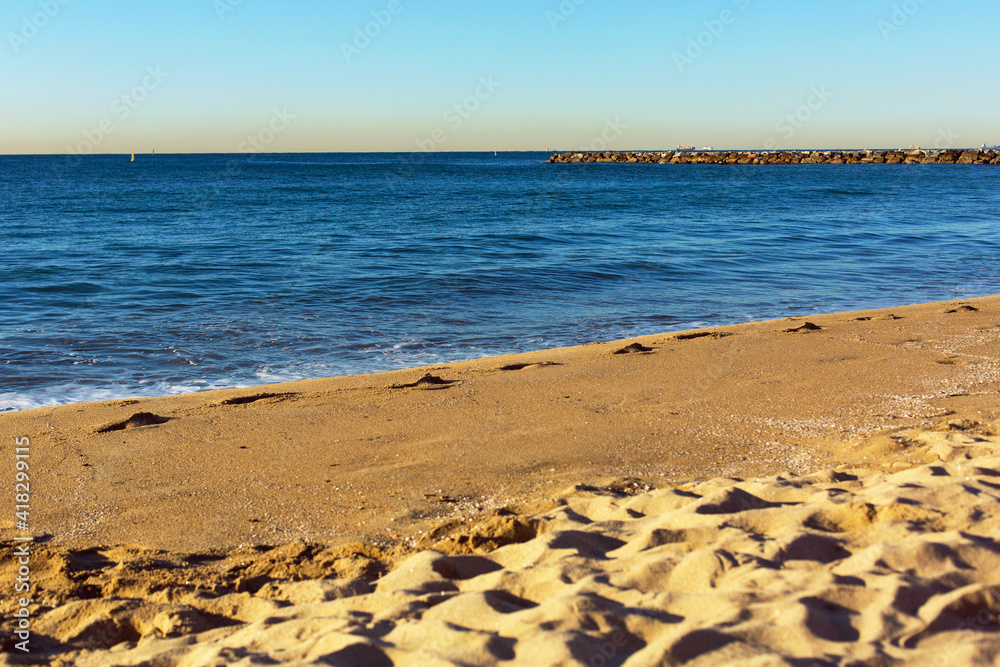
point(184, 273)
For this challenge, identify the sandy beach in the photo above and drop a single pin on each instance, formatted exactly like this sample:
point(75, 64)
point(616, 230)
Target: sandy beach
point(808, 491)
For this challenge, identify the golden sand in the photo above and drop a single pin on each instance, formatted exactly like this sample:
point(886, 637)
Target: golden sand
point(824, 488)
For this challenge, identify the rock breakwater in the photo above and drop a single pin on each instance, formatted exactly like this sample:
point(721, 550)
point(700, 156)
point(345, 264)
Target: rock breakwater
point(911, 156)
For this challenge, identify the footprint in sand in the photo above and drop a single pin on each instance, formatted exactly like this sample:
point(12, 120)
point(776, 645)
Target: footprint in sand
point(888, 316)
point(634, 348)
point(701, 334)
point(137, 420)
point(519, 367)
point(962, 309)
point(426, 382)
point(244, 400)
point(805, 328)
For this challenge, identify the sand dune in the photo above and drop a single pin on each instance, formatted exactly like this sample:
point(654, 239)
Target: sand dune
point(832, 498)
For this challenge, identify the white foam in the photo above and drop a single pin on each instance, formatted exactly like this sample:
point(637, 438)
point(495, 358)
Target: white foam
point(407, 353)
point(70, 393)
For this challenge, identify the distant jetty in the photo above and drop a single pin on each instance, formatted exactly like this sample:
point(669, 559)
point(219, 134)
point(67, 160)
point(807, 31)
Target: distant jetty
point(910, 156)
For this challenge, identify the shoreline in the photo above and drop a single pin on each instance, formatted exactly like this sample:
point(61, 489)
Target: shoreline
point(708, 156)
point(124, 397)
point(680, 495)
point(599, 412)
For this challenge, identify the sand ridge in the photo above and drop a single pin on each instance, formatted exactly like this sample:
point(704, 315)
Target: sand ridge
point(847, 566)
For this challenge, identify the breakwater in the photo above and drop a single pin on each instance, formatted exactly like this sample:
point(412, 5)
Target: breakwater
point(909, 156)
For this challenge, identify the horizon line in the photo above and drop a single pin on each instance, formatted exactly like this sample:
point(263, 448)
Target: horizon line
point(538, 150)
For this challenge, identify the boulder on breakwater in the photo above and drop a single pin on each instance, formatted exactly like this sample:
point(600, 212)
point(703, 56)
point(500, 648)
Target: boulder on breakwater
point(910, 156)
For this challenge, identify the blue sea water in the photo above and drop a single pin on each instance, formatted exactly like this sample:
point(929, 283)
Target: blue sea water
point(180, 273)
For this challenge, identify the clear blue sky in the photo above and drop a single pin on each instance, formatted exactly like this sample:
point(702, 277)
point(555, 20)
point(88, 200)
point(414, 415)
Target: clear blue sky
point(857, 73)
